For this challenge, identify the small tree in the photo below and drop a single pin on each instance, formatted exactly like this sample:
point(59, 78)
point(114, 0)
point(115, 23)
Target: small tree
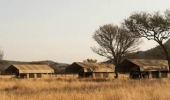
point(151, 26)
point(90, 60)
point(1, 54)
point(114, 43)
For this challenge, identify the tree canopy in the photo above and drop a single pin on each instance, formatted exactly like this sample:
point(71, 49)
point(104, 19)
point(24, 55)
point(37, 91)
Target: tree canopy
point(154, 26)
point(114, 42)
point(90, 60)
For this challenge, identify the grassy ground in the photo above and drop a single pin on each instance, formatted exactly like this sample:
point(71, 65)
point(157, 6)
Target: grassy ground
point(58, 89)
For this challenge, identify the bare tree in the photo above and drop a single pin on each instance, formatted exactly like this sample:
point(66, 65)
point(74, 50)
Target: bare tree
point(151, 26)
point(114, 43)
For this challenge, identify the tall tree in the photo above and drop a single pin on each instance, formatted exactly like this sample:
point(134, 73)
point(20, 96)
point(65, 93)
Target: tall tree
point(154, 26)
point(114, 43)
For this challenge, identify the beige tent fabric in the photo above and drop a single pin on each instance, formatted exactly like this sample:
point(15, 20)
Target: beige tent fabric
point(151, 64)
point(96, 67)
point(30, 68)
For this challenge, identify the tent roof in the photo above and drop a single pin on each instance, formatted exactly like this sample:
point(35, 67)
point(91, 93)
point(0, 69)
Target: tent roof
point(150, 64)
point(96, 67)
point(33, 68)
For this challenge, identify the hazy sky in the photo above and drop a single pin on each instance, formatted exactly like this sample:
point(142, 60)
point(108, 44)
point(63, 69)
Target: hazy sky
point(61, 30)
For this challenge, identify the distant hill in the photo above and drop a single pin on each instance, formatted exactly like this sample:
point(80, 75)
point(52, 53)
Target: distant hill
point(153, 53)
point(58, 67)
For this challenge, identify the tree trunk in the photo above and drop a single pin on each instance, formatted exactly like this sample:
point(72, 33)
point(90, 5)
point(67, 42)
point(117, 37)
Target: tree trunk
point(115, 63)
point(166, 54)
point(116, 72)
point(118, 60)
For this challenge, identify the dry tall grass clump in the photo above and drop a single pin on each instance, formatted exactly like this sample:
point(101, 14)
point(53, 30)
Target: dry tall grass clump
point(53, 89)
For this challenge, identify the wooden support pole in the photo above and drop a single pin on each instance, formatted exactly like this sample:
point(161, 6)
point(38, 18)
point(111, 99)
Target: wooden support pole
point(27, 75)
point(35, 75)
point(150, 75)
point(101, 75)
point(160, 74)
point(93, 75)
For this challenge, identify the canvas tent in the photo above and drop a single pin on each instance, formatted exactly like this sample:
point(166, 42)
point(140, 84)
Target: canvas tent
point(95, 70)
point(144, 68)
point(29, 70)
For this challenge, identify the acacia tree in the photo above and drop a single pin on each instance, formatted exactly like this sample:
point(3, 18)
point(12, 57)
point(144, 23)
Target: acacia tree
point(151, 26)
point(114, 43)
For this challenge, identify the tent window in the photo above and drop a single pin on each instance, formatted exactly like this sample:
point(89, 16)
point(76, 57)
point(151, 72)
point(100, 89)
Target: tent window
point(97, 74)
point(39, 75)
point(155, 74)
point(23, 75)
point(31, 75)
point(164, 74)
point(105, 75)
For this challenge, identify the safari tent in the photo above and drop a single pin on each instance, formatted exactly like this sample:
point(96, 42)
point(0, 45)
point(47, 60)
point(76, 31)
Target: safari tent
point(144, 68)
point(95, 70)
point(29, 70)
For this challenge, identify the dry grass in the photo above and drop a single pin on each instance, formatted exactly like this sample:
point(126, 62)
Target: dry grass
point(58, 89)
